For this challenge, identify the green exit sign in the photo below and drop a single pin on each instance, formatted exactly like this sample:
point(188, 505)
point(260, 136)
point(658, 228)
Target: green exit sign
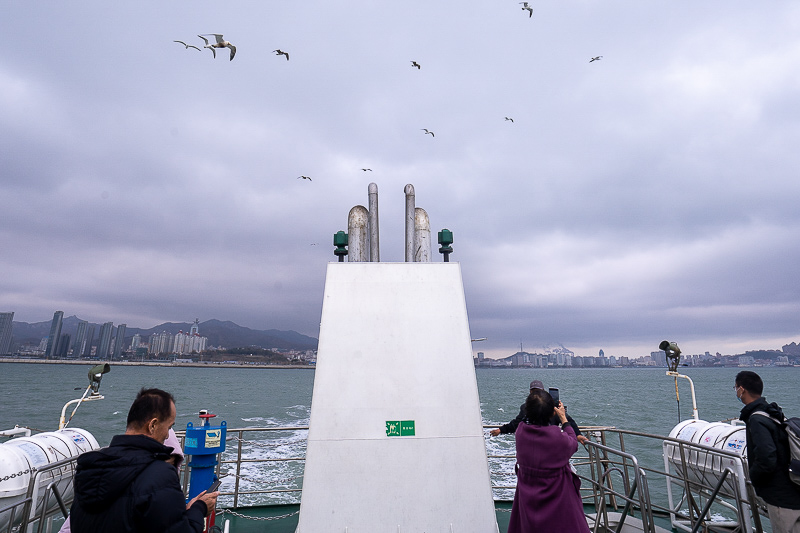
point(400, 428)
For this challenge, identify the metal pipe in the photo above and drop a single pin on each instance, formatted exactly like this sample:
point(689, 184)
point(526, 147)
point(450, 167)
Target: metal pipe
point(410, 215)
point(422, 236)
point(374, 239)
point(695, 415)
point(358, 245)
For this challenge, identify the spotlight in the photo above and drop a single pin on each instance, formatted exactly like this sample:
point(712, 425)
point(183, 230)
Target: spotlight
point(96, 374)
point(673, 354)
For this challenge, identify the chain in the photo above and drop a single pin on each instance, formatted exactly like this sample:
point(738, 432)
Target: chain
point(258, 444)
point(20, 473)
point(276, 482)
point(234, 513)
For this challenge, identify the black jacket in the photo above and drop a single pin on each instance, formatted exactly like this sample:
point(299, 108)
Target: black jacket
point(768, 455)
point(511, 427)
point(128, 487)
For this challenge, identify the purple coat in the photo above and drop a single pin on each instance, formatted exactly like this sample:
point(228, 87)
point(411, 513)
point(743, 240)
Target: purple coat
point(547, 496)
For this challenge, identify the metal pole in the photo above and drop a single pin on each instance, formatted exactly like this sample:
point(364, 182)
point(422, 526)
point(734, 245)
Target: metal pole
point(358, 239)
point(374, 238)
point(410, 215)
point(422, 236)
point(691, 386)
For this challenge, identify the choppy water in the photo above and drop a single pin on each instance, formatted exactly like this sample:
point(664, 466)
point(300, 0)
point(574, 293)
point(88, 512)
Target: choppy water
point(636, 399)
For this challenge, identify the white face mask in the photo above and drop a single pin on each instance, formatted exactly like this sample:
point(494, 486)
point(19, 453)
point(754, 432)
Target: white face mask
point(739, 396)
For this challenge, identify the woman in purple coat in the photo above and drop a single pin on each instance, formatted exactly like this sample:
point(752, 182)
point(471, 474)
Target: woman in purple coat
point(547, 496)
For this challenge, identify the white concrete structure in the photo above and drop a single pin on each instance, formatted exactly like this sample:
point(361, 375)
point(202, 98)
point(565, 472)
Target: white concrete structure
point(396, 440)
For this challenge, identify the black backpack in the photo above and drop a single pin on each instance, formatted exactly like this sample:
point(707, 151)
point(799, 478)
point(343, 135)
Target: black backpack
point(791, 426)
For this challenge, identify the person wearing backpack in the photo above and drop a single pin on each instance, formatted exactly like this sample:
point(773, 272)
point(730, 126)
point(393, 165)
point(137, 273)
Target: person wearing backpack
point(768, 454)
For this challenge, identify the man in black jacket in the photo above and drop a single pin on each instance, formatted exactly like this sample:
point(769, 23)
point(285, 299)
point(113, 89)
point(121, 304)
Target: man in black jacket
point(768, 454)
point(511, 427)
point(129, 486)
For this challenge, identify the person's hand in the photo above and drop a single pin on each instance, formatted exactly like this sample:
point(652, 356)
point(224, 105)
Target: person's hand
point(209, 498)
point(582, 439)
point(495, 432)
point(561, 411)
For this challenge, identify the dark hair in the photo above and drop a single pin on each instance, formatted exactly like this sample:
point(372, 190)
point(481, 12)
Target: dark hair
point(539, 407)
point(149, 404)
point(750, 381)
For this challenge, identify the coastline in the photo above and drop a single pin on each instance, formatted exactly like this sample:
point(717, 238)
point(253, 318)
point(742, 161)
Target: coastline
point(146, 363)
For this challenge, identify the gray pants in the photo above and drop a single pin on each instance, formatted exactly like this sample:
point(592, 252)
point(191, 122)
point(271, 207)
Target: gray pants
point(784, 520)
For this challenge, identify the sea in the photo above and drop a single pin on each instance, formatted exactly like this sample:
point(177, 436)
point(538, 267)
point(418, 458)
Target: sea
point(638, 399)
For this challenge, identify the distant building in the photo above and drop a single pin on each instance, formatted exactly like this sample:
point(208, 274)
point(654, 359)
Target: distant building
point(104, 342)
point(746, 360)
point(659, 358)
point(783, 360)
point(120, 340)
point(190, 342)
point(161, 343)
point(55, 335)
point(6, 325)
point(62, 349)
point(80, 339)
point(87, 351)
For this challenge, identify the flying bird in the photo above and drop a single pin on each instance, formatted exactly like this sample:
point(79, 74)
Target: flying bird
point(596, 58)
point(365, 169)
point(529, 8)
point(304, 178)
point(427, 132)
point(509, 118)
point(188, 45)
point(415, 64)
point(280, 52)
point(221, 43)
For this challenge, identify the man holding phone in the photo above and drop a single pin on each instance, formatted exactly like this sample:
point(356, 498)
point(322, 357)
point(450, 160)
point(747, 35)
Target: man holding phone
point(511, 427)
point(129, 486)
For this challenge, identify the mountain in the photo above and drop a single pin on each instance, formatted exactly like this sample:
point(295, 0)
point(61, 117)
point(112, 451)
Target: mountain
point(220, 333)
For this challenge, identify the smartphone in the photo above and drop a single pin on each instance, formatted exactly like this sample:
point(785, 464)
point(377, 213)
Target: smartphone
point(554, 393)
point(214, 486)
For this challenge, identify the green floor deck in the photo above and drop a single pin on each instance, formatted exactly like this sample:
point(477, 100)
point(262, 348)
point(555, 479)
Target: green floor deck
point(283, 518)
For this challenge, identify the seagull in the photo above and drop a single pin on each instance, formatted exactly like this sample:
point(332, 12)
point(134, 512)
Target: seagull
point(365, 169)
point(428, 132)
point(282, 53)
point(415, 64)
point(188, 45)
point(221, 43)
point(304, 178)
point(509, 118)
point(529, 8)
point(596, 58)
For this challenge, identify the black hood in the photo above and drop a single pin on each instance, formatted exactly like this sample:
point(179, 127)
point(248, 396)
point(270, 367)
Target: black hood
point(104, 475)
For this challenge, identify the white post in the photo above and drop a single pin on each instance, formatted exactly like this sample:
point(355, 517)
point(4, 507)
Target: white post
point(374, 244)
point(410, 215)
point(422, 236)
point(358, 243)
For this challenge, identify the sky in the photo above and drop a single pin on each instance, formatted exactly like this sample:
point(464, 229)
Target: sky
point(651, 194)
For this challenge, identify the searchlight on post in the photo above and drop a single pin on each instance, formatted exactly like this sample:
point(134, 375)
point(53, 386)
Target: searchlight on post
point(93, 390)
point(673, 360)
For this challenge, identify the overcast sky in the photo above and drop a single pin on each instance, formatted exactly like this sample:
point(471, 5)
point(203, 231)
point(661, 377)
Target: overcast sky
point(649, 195)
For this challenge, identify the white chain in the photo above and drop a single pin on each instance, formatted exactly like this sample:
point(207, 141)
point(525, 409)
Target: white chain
point(234, 513)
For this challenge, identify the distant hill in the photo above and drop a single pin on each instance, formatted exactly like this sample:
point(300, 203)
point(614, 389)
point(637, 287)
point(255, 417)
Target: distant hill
point(225, 334)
